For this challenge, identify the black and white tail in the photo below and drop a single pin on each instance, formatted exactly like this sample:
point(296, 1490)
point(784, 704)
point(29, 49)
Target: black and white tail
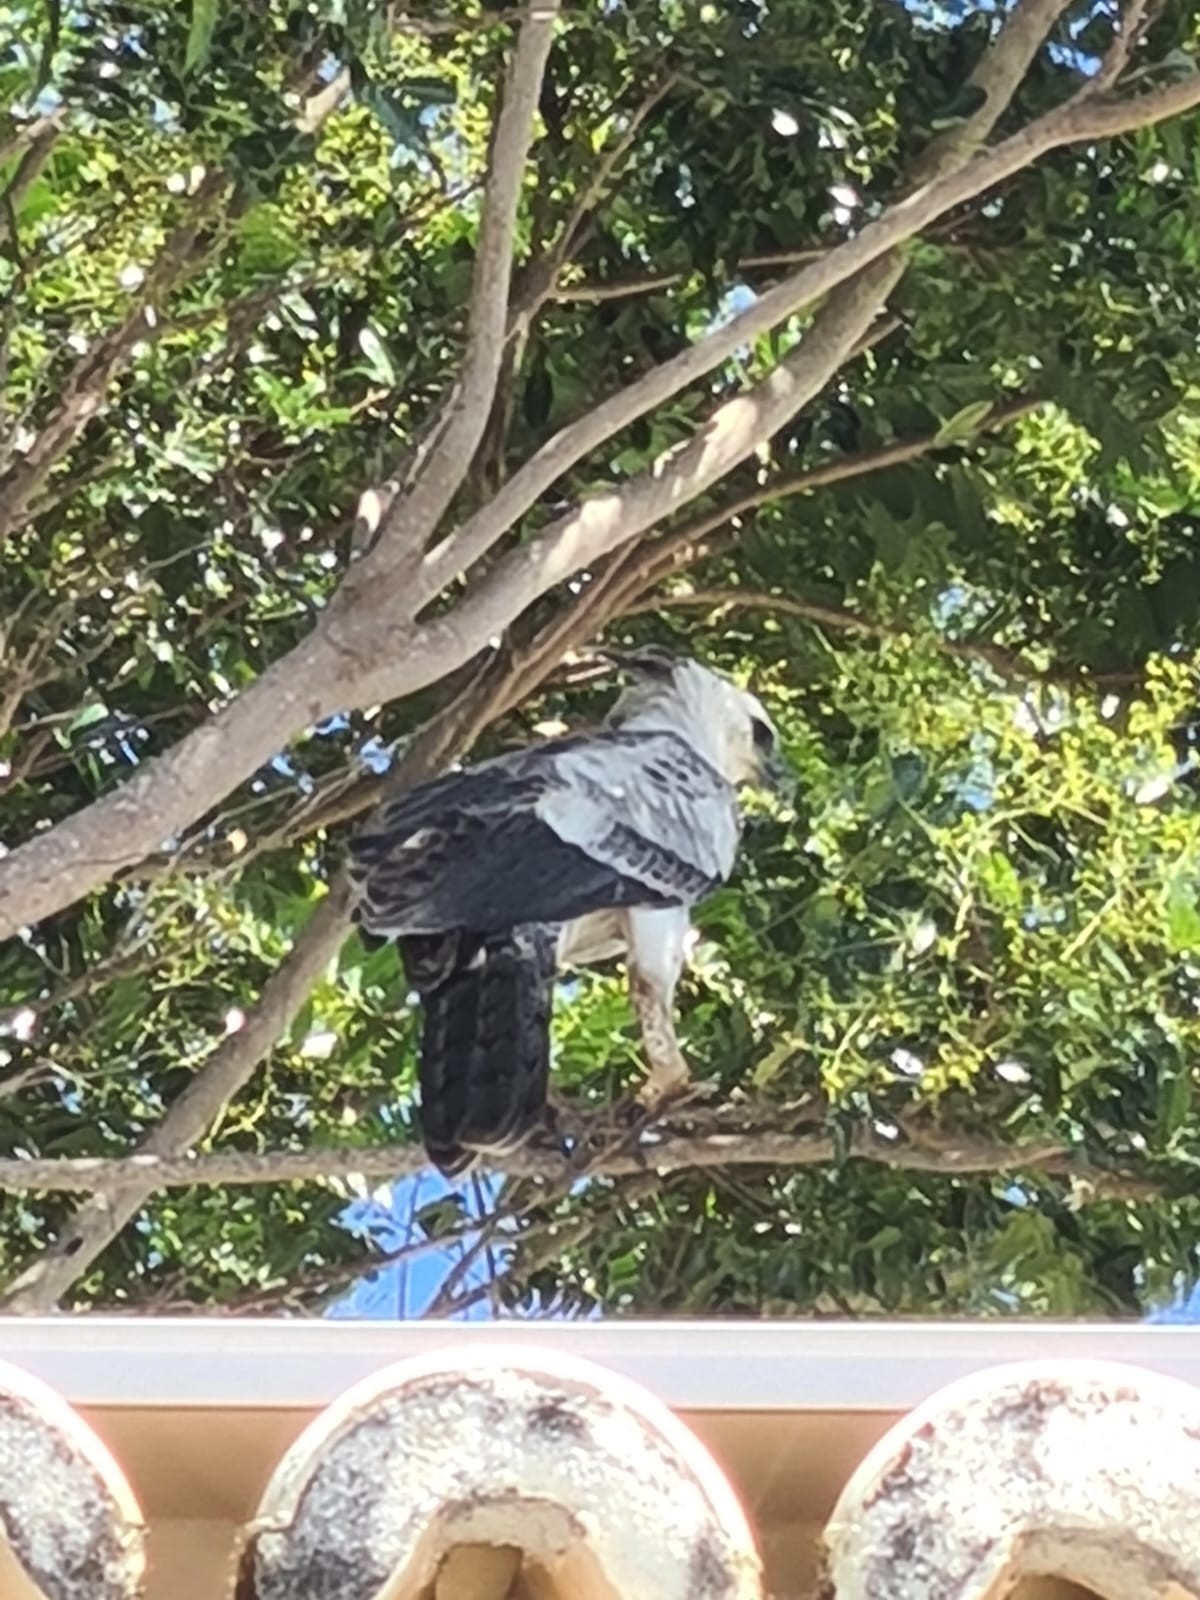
point(485, 1044)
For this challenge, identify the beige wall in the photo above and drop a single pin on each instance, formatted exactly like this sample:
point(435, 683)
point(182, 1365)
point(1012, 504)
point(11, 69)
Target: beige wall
point(189, 1559)
point(193, 1560)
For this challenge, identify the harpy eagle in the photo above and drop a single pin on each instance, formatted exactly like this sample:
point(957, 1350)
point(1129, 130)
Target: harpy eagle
point(566, 852)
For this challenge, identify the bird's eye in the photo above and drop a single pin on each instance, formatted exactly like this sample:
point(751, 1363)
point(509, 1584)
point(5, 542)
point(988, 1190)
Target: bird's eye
point(764, 734)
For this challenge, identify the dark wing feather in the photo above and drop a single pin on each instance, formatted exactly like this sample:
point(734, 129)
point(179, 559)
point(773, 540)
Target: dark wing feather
point(473, 873)
point(485, 1043)
point(471, 851)
point(486, 873)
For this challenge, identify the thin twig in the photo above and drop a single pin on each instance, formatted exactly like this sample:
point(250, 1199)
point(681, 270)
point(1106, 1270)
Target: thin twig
point(899, 223)
point(1128, 28)
point(1005, 662)
point(587, 291)
point(87, 384)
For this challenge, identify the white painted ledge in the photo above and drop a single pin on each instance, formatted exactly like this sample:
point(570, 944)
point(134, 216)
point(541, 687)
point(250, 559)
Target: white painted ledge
point(692, 1366)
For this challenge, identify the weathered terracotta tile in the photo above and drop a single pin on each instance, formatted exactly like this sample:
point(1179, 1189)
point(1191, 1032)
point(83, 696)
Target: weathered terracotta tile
point(1079, 1470)
point(70, 1528)
point(498, 1476)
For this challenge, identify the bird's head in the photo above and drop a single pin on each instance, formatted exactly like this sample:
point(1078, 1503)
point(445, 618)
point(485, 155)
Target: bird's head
point(724, 722)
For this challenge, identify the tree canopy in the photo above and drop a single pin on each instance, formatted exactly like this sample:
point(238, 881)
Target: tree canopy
point(362, 367)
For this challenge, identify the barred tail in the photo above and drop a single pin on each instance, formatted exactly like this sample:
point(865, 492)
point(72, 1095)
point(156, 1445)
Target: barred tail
point(485, 1046)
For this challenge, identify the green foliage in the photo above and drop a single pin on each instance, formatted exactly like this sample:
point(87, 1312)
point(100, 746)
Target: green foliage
point(982, 921)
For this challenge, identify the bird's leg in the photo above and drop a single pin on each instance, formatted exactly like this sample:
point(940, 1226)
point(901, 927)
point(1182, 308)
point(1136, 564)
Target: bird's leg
point(668, 1075)
point(657, 943)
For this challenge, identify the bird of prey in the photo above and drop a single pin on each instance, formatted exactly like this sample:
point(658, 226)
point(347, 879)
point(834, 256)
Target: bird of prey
point(570, 851)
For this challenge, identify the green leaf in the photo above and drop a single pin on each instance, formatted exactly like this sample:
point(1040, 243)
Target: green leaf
point(200, 33)
point(1183, 916)
point(1176, 1095)
point(998, 878)
point(429, 91)
point(963, 424)
point(378, 356)
point(88, 717)
point(769, 1067)
point(400, 119)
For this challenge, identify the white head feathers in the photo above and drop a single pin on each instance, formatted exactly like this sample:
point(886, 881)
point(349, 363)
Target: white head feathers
point(726, 724)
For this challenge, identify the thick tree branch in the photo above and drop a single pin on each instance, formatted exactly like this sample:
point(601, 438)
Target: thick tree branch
point(168, 793)
point(362, 647)
point(602, 524)
point(34, 145)
point(998, 74)
point(631, 579)
point(455, 554)
point(234, 1061)
point(18, 139)
point(842, 469)
point(663, 1150)
point(411, 518)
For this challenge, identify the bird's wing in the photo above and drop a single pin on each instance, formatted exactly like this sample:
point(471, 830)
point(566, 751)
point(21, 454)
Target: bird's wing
point(548, 834)
point(651, 807)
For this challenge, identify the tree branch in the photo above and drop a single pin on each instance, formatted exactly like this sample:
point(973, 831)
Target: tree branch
point(88, 383)
point(845, 468)
point(1004, 662)
point(595, 189)
point(169, 792)
point(1127, 31)
point(999, 73)
point(97, 1223)
point(234, 1061)
point(19, 138)
point(339, 666)
point(128, 956)
point(456, 553)
point(533, 286)
point(400, 21)
point(602, 524)
point(411, 518)
point(900, 223)
point(663, 1149)
point(649, 283)
point(632, 578)
point(34, 144)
